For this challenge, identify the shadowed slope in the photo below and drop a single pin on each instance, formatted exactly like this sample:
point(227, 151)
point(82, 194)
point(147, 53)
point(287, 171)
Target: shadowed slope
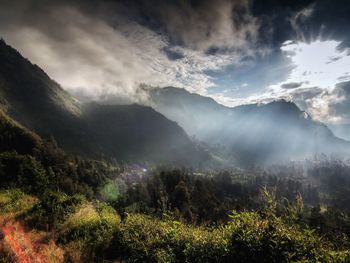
point(130, 133)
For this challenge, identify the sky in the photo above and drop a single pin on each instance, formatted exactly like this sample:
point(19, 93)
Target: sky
point(236, 51)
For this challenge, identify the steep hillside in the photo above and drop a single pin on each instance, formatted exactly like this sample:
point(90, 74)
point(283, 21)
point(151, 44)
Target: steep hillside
point(139, 133)
point(13, 136)
point(29, 96)
point(131, 133)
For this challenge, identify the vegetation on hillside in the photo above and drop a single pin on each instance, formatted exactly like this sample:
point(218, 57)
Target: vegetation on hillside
point(79, 230)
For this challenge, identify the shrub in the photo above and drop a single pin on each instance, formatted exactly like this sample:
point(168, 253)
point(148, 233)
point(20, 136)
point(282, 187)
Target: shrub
point(248, 237)
point(22, 171)
point(272, 240)
point(93, 225)
point(15, 201)
point(53, 209)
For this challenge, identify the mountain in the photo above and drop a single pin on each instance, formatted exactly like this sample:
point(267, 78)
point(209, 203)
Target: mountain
point(140, 132)
point(30, 97)
point(255, 134)
point(199, 116)
point(131, 133)
point(341, 130)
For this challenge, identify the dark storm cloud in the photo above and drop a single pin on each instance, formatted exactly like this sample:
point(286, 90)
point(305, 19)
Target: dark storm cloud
point(205, 24)
point(198, 24)
point(282, 22)
point(330, 19)
point(194, 24)
point(291, 85)
point(302, 20)
point(275, 18)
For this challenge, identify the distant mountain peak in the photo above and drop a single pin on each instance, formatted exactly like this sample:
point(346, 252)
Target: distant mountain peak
point(249, 134)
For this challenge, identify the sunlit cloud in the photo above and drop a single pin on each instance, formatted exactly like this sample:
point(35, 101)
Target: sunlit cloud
point(105, 54)
point(319, 63)
point(316, 70)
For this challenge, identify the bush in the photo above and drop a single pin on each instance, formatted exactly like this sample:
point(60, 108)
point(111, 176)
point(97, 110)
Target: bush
point(53, 209)
point(93, 225)
point(246, 238)
point(22, 171)
point(15, 201)
point(272, 240)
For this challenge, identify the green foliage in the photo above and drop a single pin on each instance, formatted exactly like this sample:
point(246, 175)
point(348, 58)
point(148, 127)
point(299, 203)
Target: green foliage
point(93, 225)
point(145, 239)
point(15, 201)
point(36, 165)
point(272, 240)
point(49, 168)
point(270, 204)
point(53, 209)
point(247, 237)
point(23, 171)
point(294, 210)
point(188, 197)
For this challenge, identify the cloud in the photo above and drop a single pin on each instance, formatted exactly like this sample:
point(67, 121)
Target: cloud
point(210, 24)
point(313, 80)
point(298, 20)
point(291, 85)
point(104, 49)
point(323, 65)
point(312, 62)
point(338, 102)
point(111, 50)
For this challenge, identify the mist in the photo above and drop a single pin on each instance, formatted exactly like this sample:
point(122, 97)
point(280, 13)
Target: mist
point(255, 134)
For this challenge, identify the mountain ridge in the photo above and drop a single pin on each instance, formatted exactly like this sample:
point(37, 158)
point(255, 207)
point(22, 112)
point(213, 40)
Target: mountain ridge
point(32, 98)
point(251, 134)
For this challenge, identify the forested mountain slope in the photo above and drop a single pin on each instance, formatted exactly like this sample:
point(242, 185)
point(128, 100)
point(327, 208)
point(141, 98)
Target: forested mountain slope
point(131, 133)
